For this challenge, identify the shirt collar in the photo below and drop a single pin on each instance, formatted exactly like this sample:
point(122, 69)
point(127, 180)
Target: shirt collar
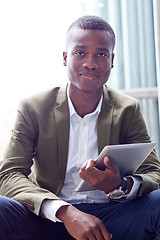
point(72, 109)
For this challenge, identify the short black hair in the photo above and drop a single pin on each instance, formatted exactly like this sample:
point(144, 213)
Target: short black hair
point(94, 23)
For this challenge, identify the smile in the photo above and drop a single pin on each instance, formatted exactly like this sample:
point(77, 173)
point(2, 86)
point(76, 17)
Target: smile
point(89, 76)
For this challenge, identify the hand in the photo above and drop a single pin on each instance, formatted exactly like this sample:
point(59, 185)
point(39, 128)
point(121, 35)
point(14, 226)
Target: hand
point(106, 180)
point(82, 226)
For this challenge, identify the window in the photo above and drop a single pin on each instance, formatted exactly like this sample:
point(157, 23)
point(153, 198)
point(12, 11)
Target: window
point(135, 71)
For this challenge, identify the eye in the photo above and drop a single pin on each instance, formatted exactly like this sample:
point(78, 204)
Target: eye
point(102, 55)
point(79, 53)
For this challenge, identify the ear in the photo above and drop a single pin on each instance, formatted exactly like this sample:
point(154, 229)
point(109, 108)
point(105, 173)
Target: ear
point(65, 58)
point(112, 60)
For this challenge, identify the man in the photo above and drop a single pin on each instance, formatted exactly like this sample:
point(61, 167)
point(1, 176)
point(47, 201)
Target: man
point(56, 132)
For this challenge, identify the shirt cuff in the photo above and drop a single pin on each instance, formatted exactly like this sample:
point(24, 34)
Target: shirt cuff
point(50, 207)
point(137, 181)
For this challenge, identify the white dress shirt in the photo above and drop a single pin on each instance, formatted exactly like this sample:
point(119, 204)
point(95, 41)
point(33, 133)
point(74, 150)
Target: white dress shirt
point(82, 146)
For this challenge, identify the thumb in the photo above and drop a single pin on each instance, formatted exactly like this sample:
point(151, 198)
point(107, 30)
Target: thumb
point(106, 162)
point(110, 164)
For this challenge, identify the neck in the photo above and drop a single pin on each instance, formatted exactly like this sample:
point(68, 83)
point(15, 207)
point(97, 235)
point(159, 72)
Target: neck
point(84, 102)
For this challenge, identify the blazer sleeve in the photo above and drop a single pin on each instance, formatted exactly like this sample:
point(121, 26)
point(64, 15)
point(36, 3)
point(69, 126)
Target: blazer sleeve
point(16, 165)
point(134, 130)
point(127, 126)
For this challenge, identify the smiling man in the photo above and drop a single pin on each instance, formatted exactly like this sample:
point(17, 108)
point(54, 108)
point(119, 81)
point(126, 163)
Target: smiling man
point(58, 135)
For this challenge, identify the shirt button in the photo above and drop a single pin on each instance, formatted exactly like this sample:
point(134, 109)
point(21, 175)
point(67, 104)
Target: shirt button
point(84, 124)
point(82, 151)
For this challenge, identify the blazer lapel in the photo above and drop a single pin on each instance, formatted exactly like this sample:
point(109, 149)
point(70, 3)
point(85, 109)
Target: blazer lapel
point(61, 112)
point(104, 122)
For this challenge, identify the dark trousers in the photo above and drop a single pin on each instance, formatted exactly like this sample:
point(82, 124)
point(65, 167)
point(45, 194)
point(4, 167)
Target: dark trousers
point(137, 219)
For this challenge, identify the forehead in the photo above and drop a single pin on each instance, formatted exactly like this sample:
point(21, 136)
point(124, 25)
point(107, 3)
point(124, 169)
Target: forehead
point(88, 37)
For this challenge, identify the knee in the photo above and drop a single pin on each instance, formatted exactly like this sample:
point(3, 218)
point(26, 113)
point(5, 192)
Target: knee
point(155, 194)
point(4, 203)
point(154, 197)
point(4, 212)
point(8, 210)
point(5, 209)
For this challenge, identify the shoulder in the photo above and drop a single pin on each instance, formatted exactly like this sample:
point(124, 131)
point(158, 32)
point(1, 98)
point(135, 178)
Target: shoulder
point(117, 99)
point(43, 101)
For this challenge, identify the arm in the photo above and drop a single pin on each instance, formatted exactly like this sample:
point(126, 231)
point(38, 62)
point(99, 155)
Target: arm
point(133, 132)
point(82, 226)
point(19, 158)
point(127, 127)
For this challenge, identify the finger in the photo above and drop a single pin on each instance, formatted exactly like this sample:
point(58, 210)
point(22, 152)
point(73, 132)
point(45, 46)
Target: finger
point(100, 232)
point(106, 235)
point(84, 165)
point(95, 235)
point(99, 236)
point(89, 163)
point(88, 169)
point(92, 237)
point(86, 175)
point(110, 164)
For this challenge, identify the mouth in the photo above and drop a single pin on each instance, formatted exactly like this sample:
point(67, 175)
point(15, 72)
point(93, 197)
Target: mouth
point(89, 76)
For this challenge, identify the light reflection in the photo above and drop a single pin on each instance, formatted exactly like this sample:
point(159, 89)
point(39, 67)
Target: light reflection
point(101, 4)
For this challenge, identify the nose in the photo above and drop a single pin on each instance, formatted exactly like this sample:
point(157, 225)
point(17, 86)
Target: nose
point(90, 62)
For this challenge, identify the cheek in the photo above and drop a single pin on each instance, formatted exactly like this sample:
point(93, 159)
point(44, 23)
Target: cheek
point(71, 70)
point(106, 73)
point(72, 65)
point(106, 67)
point(105, 63)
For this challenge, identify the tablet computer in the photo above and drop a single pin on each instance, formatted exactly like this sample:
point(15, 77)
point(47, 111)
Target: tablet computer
point(128, 158)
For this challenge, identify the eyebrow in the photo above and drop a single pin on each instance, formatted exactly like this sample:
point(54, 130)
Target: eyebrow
point(103, 49)
point(98, 49)
point(81, 46)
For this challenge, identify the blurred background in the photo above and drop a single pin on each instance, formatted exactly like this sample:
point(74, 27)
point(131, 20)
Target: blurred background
point(32, 40)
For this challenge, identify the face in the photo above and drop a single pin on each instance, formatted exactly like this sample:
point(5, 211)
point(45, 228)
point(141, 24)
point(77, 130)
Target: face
point(89, 58)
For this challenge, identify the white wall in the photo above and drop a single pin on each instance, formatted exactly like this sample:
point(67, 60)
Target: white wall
point(32, 36)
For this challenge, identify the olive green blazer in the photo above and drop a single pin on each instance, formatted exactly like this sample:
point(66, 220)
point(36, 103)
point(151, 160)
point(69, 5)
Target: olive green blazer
point(34, 164)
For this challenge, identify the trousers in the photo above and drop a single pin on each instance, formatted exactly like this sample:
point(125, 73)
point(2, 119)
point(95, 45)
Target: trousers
point(137, 219)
